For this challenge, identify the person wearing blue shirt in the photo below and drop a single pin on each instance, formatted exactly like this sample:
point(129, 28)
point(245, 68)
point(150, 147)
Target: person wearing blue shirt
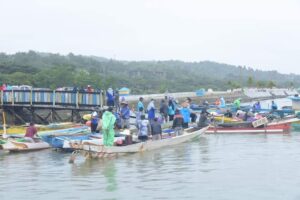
point(125, 114)
point(256, 107)
point(274, 106)
point(151, 111)
point(140, 104)
point(223, 103)
point(186, 114)
point(110, 97)
point(171, 110)
point(94, 122)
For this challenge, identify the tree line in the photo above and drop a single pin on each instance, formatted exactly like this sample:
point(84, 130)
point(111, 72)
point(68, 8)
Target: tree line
point(47, 70)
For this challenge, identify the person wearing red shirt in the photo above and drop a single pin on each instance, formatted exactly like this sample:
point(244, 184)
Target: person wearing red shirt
point(31, 131)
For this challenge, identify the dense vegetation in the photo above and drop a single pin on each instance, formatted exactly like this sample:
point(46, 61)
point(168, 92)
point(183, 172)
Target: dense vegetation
point(45, 70)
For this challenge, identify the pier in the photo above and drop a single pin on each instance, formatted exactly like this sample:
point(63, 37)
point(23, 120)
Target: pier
point(45, 106)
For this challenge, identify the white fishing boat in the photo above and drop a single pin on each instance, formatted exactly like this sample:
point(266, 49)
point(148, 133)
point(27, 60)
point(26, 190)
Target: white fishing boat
point(97, 140)
point(13, 145)
point(287, 120)
point(101, 151)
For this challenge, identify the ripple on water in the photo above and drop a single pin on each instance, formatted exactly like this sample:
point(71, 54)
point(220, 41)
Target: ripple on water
point(213, 167)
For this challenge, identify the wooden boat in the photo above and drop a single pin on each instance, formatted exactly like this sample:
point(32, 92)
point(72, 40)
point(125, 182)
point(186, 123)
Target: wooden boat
point(17, 145)
point(101, 151)
point(74, 139)
point(279, 128)
point(57, 141)
point(296, 126)
point(289, 120)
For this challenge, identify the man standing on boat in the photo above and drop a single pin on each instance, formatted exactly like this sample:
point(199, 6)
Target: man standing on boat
point(108, 124)
point(110, 98)
point(151, 111)
point(177, 123)
point(144, 129)
point(94, 121)
point(140, 105)
point(186, 114)
point(156, 130)
point(163, 110)
point(274, 106)
point(31, 131)
point(237, 103)
point(125, 114)
point(203, 121)
point(192, 114)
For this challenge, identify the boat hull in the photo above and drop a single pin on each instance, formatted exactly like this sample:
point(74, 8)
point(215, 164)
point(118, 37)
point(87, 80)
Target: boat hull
point(15, 146)
point(282, 128)
point(101, 151)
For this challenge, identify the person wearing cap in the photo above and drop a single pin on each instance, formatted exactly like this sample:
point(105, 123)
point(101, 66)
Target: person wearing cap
point(94, 122)
point(108, 124)
point(89, 89)
point(125, 114)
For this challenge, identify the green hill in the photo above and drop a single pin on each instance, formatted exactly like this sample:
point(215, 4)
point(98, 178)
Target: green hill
point(54, 70)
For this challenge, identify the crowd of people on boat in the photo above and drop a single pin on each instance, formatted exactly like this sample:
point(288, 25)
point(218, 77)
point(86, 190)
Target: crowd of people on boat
point(150, 118)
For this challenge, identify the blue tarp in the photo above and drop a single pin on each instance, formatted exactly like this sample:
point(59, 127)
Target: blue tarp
point(200, 92)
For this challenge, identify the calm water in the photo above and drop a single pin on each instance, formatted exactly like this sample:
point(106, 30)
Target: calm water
point(231, 166)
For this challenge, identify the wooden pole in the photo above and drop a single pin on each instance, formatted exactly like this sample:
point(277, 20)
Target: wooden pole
point(4, 125)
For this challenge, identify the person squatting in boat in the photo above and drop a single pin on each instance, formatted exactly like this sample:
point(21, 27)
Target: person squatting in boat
point(31, 131)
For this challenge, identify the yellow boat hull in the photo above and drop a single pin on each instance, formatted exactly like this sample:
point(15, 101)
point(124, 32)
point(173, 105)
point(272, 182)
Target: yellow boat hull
point(22, 129)
point(226, 119)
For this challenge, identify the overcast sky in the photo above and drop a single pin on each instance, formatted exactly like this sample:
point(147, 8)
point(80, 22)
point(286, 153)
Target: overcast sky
point(263, 34)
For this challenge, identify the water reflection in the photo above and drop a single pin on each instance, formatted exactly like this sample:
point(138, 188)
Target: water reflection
point(109, 171)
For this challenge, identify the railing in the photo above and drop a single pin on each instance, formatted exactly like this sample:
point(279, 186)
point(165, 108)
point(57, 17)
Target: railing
point(51, 98)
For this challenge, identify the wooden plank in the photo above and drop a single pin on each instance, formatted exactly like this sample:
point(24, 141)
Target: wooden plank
point(260, 122)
